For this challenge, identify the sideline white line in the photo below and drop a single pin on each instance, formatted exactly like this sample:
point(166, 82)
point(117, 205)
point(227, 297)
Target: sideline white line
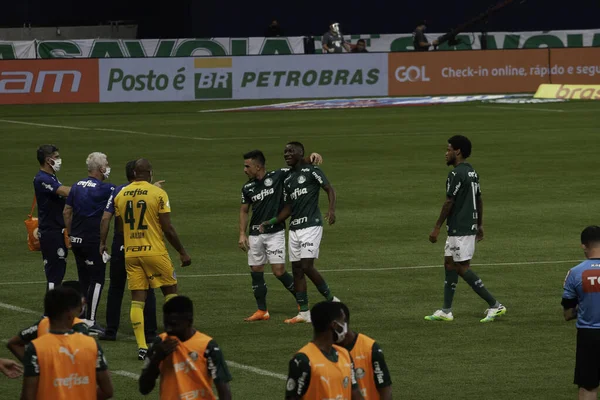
point(256, 370)
point(19, 309)
point(348, 270)
point(524, 108)
point(126, 374)
point(43, 125)
point(153, 134)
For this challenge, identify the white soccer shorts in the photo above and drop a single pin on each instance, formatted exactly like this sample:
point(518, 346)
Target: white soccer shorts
point(305, 243)
point(460, 248)
point(266, 247)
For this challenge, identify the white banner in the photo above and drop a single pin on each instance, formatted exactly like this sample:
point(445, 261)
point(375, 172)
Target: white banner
point(269, 77)
point(221, 47)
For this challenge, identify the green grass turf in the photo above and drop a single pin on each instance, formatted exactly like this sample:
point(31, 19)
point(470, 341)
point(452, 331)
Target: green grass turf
point(539, 180)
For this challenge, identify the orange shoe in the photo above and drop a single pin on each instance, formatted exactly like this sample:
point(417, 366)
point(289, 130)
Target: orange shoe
point(259, 315)
point(303, 317)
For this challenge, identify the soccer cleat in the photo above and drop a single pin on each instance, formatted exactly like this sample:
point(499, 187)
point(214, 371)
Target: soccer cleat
point(96, 330)
point(440, 315)
point(259, 315)
point(494, 312)
point(303, 317)
point(336, 300)
point(142, 354)
point(107, 337)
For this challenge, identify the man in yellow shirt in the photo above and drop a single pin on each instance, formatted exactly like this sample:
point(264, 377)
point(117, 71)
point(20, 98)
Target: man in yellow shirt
point(145, 212)
point(188, 362)
point(64, 364)
point(321, 369)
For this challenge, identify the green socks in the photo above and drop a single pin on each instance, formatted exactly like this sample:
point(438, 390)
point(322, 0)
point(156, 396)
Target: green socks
point(302, 300)
point(287, 280)
point(449, 289)
point(324, 290)
point(259, 287)
point(473, 280)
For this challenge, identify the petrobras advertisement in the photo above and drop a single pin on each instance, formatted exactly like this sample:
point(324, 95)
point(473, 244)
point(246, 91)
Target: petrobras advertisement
point(266, 77)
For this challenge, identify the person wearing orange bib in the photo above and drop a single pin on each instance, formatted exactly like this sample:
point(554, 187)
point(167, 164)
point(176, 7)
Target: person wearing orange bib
point(322, 369)
point(372, 373)
point(64, 364)
point(17, 344)
point(187, 361)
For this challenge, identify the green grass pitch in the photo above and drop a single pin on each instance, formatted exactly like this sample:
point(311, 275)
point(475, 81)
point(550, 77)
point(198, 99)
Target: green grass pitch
point(538, 166)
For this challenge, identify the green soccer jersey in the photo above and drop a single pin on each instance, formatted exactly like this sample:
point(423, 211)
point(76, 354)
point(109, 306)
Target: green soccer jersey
point(301, 190)
point(463, 187)
point(266, 197)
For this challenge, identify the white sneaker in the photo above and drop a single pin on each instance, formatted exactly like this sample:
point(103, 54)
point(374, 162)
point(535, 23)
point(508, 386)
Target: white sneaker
point(493, 313)
point(302, 317)
point(440, 315)
point(336, 300)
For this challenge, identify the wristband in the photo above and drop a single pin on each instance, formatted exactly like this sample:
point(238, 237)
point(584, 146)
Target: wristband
point(272, 221)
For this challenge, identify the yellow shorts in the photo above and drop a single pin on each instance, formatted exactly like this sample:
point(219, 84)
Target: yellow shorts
point(149, 271)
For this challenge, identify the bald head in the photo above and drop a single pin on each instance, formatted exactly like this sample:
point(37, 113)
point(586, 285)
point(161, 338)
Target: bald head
point(143, 170)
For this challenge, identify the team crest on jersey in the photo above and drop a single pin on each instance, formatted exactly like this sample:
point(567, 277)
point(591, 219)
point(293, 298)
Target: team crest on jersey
point(346, 382)
point(268, 182)
point(193, 355)
point(291, 385)
point(301, 179)
point(360, 373)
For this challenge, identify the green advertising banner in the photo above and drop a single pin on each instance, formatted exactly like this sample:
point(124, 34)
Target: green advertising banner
point(218, 47)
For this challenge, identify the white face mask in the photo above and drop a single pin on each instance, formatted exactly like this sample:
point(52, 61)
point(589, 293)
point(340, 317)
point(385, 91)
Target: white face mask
point(340, 336)
point(57, 164)
point(106, 172)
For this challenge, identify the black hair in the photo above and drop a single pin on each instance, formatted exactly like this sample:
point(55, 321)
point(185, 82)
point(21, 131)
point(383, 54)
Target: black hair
point(323, 314)
point(345, 310)
point(129, 168)
point(44, 151)
point(179, 305)
point(421, 22)
point(361, 41)
point(460, 142)
point(75, 285)
point(590, 235)
point(61, 300)
point(298, 145)
point(255, 155)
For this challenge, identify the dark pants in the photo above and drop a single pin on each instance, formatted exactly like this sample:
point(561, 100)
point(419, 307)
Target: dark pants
point(118, 278)
point(54, 253)
point(92, 273)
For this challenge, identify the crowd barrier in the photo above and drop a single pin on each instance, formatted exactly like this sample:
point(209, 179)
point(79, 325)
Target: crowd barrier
point(109, 80)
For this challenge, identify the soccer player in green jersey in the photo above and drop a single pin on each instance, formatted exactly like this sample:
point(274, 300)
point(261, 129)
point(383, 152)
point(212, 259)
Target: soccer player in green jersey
point(264, 193)
point(463, 209)
point(301, 190)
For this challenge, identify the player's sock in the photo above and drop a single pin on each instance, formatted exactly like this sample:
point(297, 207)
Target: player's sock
point(287, 280)
point(259, 287)
point(323, 288)
point(137, 321)
point(170, 296)
point(473, 280)
point(449, 289)
point(302, 300)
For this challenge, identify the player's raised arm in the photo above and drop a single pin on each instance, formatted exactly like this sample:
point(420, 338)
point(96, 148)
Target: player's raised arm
point(243, 242)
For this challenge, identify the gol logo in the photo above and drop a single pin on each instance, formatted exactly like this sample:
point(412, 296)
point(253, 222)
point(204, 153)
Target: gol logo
point(411, 74)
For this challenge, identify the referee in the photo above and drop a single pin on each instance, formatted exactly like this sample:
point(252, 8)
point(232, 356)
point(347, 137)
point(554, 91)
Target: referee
point(581, 301)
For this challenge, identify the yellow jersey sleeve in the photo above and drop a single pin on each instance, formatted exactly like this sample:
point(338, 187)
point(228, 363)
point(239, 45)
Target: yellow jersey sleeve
point(164, 206)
